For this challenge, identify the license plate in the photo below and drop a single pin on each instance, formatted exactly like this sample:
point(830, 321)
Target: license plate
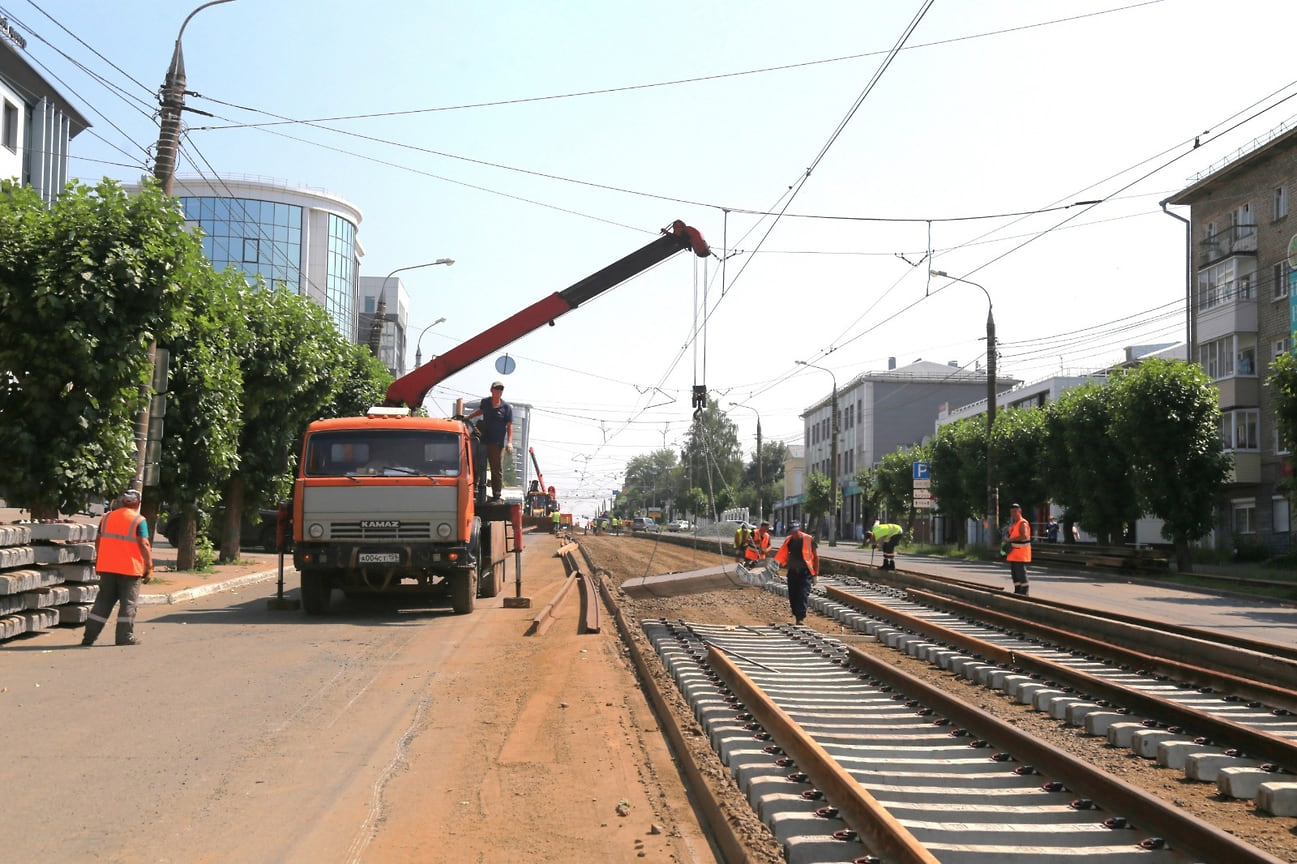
point(380, 558)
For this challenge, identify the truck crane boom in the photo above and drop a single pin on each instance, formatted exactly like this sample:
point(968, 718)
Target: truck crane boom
point(410, 389)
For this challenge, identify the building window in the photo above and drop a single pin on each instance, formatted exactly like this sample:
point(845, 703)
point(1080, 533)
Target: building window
point(1279, 290)
point(1239, 429)
point(1245, 516)
point(1217, 357)
point(1224, 282)
point(9, 126)
point(1241, 220)
point(1280, 202)
point(1282, 525)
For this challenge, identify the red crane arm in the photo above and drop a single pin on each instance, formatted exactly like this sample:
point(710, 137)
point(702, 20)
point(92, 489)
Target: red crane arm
point(409, 389)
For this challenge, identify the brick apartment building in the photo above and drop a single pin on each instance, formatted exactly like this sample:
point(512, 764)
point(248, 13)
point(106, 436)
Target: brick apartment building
point(1243, 312)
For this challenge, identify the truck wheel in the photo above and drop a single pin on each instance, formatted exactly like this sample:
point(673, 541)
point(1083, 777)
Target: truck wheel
point(463, 591)
point(317, 590)
point(493, 581)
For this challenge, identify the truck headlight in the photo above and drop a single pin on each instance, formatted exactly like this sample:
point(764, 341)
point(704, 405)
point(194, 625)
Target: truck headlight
point(315, 530)
point(443, 530)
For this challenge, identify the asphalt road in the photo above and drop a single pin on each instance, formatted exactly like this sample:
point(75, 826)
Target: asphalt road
point(227, 734)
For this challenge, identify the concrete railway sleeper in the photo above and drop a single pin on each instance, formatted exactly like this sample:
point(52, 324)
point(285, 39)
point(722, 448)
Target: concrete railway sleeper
point(1246, 749)
point(847, 759)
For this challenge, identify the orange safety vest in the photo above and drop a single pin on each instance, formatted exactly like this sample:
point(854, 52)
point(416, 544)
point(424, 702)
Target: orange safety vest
point(809, 556)
point(1020, 541)
point(119, 543)
point(760, 545)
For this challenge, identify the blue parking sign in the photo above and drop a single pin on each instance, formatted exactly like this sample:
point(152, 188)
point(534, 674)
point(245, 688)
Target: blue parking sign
point(921, 471)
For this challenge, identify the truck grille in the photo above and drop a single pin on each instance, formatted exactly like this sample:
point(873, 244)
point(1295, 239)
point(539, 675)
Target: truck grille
point(404, 531)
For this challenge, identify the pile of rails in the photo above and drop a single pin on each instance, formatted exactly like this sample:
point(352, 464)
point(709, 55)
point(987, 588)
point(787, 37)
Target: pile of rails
point(47, 576)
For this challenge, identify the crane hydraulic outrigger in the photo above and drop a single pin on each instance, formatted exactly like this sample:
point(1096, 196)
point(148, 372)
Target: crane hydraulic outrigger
point(387, 503)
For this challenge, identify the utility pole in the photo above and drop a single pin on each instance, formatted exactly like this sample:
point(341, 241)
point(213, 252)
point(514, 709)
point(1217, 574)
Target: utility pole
point(992, 493)
point(164, 169)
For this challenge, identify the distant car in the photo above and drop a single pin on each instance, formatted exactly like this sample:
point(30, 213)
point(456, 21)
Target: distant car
point(678, 525)
point(645, 525)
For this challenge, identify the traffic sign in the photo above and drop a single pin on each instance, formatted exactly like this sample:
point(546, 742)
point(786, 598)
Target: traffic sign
point(921, 471)
point(922, 503)
point(925, 483)
point(922, 494)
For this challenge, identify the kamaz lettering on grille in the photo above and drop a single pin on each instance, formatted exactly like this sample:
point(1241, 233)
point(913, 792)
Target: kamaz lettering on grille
point(379, 524)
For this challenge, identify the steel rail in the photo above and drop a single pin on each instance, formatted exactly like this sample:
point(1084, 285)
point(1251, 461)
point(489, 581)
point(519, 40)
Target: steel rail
point(860, 810)
point(1253, 741)
point(1189, 673)
point(1181, 830)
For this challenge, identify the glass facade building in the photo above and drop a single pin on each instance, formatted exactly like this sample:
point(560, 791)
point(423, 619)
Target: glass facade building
point(295, 239)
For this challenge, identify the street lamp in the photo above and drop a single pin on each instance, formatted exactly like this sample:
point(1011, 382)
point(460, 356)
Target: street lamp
point(418, 353)
point(380, 313)
point(833, 457)
point(164, 169)
point(992, 495)
point(760, 474)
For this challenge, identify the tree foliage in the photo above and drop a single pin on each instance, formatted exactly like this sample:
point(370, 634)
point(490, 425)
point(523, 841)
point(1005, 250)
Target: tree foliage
point(712, 458)
point(200, 448)
point(85, 286)
point(894, 478)
point(958, 468)
point(1019, 449)
point(1283, 385)
point(819, 503)
point(288, 371)
point(1168, 422)
point(1085, 465)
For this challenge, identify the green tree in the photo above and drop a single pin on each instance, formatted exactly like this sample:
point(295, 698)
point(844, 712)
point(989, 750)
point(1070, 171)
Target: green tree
point(288, 364)
point(361, 382)
point(1283, 384)
point(712, 458)
point(85, 285)
point(764, 487)
point(871, 496)
point(1019, 448)
point(958, 468)
point(895, 479)
point(200, 449)
point(649, 480)
point(818, 503)
point(1168, 422)
point(1085, 465)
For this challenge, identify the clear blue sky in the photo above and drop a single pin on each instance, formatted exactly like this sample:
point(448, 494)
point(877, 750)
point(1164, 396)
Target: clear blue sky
point(537, 142)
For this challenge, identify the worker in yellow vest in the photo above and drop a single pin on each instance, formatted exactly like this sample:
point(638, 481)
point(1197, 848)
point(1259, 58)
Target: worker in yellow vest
point(885, 537)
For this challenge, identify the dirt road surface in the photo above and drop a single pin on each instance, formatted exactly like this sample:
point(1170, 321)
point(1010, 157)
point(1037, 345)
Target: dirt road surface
point(377, 734)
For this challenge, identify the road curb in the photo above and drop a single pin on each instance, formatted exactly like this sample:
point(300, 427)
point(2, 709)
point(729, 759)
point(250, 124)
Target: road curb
point(186, 594)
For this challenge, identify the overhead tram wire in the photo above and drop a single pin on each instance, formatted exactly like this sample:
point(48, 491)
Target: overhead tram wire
point(681, 81)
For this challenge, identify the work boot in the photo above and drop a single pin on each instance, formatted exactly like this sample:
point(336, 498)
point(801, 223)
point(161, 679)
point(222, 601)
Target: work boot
point(91, 633)
point(130, 640)
point(1020, 590)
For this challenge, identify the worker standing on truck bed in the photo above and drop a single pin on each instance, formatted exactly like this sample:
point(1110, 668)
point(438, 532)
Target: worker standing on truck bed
point(497, 432)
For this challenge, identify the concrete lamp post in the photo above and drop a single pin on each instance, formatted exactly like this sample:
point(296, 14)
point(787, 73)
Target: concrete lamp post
point(418, 345)
point(992, 494)
point(380, 313)
point(833, 457)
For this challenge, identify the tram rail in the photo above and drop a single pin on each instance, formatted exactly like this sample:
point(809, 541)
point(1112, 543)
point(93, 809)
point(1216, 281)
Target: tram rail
point(909, 773)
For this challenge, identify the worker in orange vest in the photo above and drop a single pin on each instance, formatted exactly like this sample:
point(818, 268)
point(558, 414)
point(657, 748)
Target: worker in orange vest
point(799, 555)
point(1018, 554)
point(124, 560)
point(759, 544)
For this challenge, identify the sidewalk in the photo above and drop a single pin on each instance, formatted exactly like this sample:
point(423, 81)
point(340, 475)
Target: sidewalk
point(170, 586)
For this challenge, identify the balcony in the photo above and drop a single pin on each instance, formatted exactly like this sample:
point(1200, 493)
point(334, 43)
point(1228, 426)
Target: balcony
point(1234, 240)
point(1245, 468)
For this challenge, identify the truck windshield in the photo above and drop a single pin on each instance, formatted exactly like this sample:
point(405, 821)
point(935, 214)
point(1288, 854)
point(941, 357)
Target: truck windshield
point(395, 453)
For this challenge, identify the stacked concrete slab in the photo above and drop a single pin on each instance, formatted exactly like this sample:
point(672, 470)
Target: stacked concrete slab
point(47, 575)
